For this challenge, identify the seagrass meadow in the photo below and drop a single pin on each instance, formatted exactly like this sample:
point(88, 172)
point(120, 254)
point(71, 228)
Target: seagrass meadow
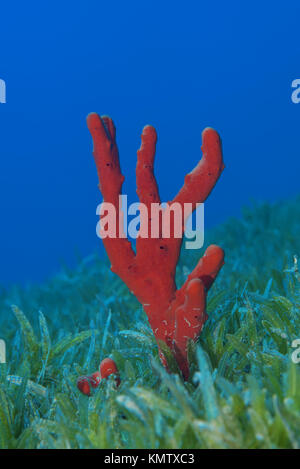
point(244, 387)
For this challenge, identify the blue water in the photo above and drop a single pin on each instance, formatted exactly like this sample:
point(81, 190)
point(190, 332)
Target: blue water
point(178, 66)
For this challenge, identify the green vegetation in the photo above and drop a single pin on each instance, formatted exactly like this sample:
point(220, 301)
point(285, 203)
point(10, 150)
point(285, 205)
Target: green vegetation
point(244, 391)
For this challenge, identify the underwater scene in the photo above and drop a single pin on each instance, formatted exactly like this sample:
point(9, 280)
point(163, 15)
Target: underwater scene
point(150, 229)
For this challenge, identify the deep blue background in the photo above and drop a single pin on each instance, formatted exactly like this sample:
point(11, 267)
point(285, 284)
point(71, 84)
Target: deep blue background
point(180, 66)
